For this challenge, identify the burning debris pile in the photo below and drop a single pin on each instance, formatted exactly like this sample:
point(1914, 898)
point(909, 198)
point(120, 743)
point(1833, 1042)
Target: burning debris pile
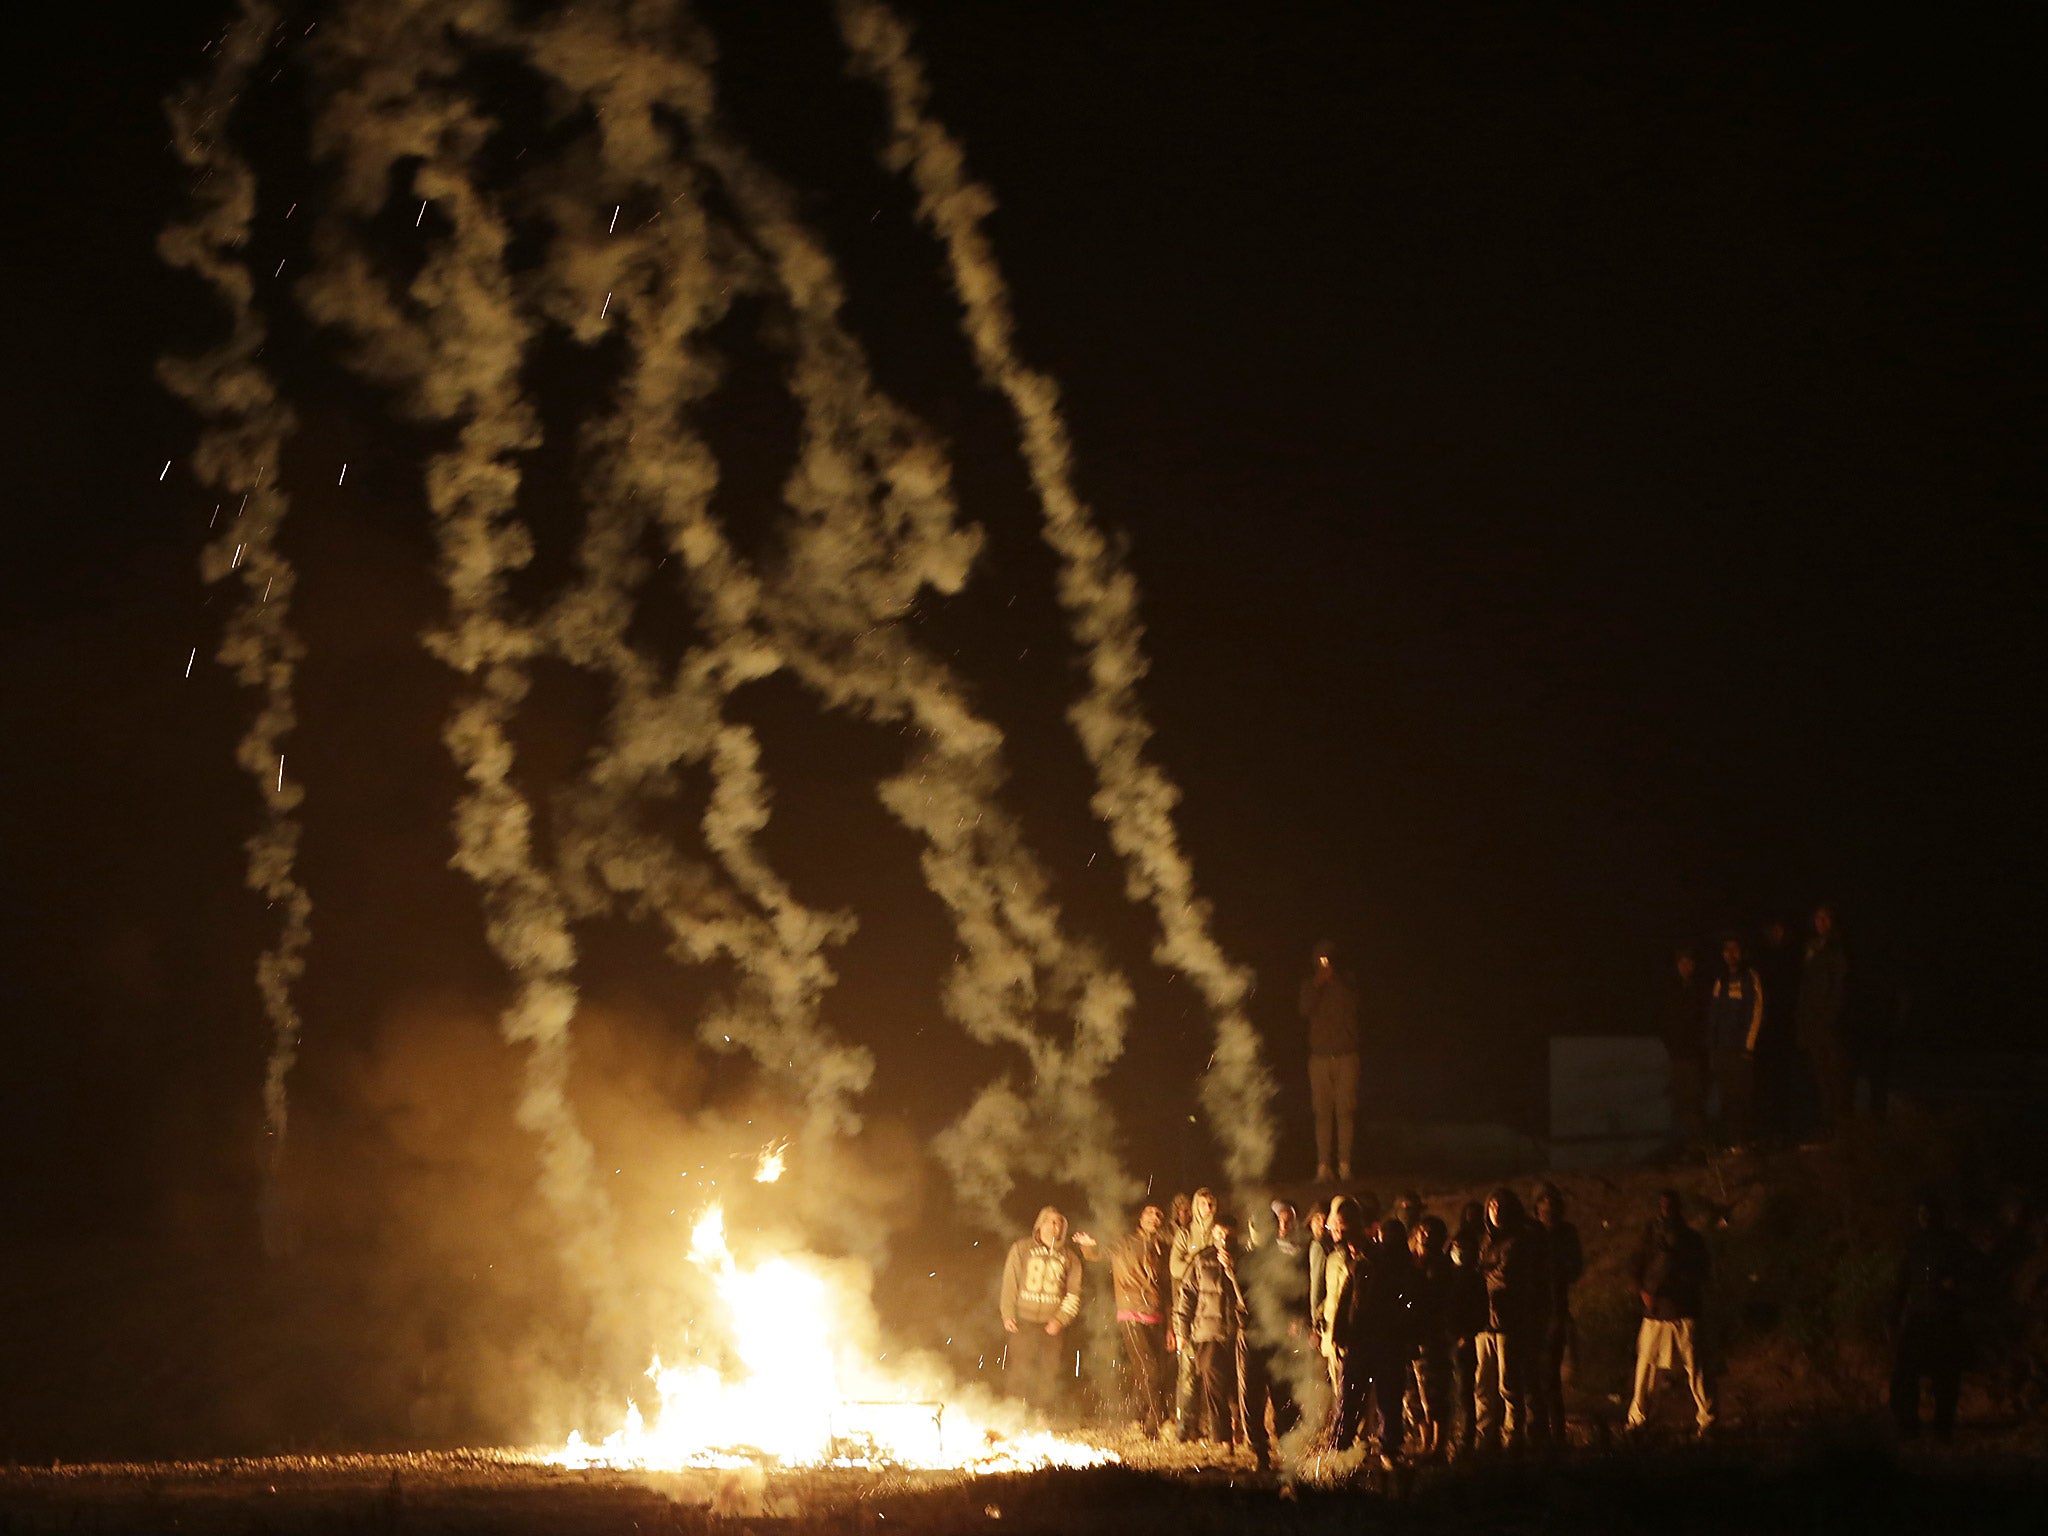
point(439, 257)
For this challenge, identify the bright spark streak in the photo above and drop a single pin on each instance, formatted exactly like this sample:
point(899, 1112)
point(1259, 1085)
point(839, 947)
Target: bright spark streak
point(422, 215)
point(344, 474)
point(615, 220)
point(280, 775)
point(162, 472)
point(190, 659)
point(280, 270)
point(236, 562)
point(600, 314)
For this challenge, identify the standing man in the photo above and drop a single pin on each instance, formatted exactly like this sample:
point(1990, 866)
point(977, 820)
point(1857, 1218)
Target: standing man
point(1735, 1021)
point(1820, 1019)
point(1188, 1241)
point(1329, 1002)
point(1684, 1021)
point(1139, 1272)
point(1930, 1339)
point(1041, 1295)
point(1208, 1319)
point(1567, 1258)
point(1372, 1322)
point(1671, 1280)
point(1781, 1097)
point(1516, 1265)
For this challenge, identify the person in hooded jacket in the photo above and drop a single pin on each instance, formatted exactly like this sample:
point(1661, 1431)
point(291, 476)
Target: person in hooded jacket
point(1140, 1276)
point(1516, 1263)
point(1195, 1237)
point(1670, 1269)
point(1930, 1333)
point(1567, 1263)
point(1684, 1027)
point(1040, 1297)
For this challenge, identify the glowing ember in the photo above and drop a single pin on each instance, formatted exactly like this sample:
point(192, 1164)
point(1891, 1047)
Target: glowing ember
point(770, 1167)
point(804, 1385)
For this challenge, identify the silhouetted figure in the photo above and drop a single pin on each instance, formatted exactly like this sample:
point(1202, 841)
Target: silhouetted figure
point(1567, 1260)
point(1466, 1313)
point(1516, 1262)
point(1141, 1275)
point(1431, 1300)
point(1275, 1279)
point(1684, 1027)
point(1821, 1020)
point(1735, 1021)
point(1670, 1270)
point(1780, 1094)
point(1930, 1324)
point(1329, 1002)
point(1041, 1295)
point(1371, 1323)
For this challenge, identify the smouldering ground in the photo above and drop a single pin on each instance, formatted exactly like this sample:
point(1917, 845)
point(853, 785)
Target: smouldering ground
point(1814, 1485)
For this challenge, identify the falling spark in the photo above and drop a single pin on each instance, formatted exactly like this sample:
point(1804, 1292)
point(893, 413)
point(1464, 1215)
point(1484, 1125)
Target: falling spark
point(235, 563)
point(344, 474)
point(266, 588)
point(280, 270)
point(216, 515)
point(162, 472)
point(190, 659)
point(422, 214)
point(280, 775)
point(607, 307)
point(291, 210)
point(615, 220)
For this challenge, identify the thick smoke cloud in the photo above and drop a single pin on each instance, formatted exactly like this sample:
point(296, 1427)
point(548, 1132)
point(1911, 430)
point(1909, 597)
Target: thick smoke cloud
point(513, 254)
point(240, 453)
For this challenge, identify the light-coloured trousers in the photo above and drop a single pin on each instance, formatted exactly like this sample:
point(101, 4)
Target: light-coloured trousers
point(1672, 1346)
point(1333, 1091)
point(1500, 1385)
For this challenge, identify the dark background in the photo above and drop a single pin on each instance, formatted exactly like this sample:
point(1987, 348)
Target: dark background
point(1582, 465)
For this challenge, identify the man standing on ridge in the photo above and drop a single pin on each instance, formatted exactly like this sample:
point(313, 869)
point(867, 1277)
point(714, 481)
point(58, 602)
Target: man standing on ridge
point(1735, 1022)
point(1819, 1020)
point(1041, 1295)
point(1329, 1002)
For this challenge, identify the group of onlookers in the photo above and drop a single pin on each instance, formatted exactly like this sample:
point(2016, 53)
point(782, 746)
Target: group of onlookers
point(1398, 1331)
point(1774, 1034)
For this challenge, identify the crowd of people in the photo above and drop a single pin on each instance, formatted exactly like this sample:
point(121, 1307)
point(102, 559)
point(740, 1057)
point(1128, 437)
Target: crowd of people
point(1394, 1330)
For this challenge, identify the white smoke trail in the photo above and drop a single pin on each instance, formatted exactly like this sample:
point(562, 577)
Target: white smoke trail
point(876, 524)
point(240, 452)
point(667, 283)
point(386, 95)
point(1134, 799)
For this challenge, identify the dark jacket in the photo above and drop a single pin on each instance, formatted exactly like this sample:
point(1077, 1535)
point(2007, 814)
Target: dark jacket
point(1432, 1299)
point(1685, 1017)
point(1318, 1262)
point(1208, 1308)
point(1331, 1008)
point(1671, 1269)
point(1138, 1272)
point(1823, 993)
point(1567, 1264)
point(1735, 1011)
point(1516, 1262)
point(1371, 1309)
point(1930, 1295)
point(1466, 1312)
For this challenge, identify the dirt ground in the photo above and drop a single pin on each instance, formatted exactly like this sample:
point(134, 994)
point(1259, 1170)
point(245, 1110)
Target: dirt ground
point(1760, 1486)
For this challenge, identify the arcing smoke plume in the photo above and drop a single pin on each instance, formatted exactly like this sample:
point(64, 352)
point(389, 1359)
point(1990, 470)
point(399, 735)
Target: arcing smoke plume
point(1134, 798)
point(455, 343)
point(239, 453)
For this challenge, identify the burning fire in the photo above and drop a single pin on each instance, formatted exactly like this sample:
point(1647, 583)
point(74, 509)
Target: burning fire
point(804, 1386)
point(769, 1169)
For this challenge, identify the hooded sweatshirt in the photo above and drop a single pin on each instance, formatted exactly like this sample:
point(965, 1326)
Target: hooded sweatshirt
point(1516, 1262)
point(1041, 1281)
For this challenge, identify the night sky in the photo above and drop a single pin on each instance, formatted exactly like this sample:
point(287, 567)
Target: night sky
point(1583, 465)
